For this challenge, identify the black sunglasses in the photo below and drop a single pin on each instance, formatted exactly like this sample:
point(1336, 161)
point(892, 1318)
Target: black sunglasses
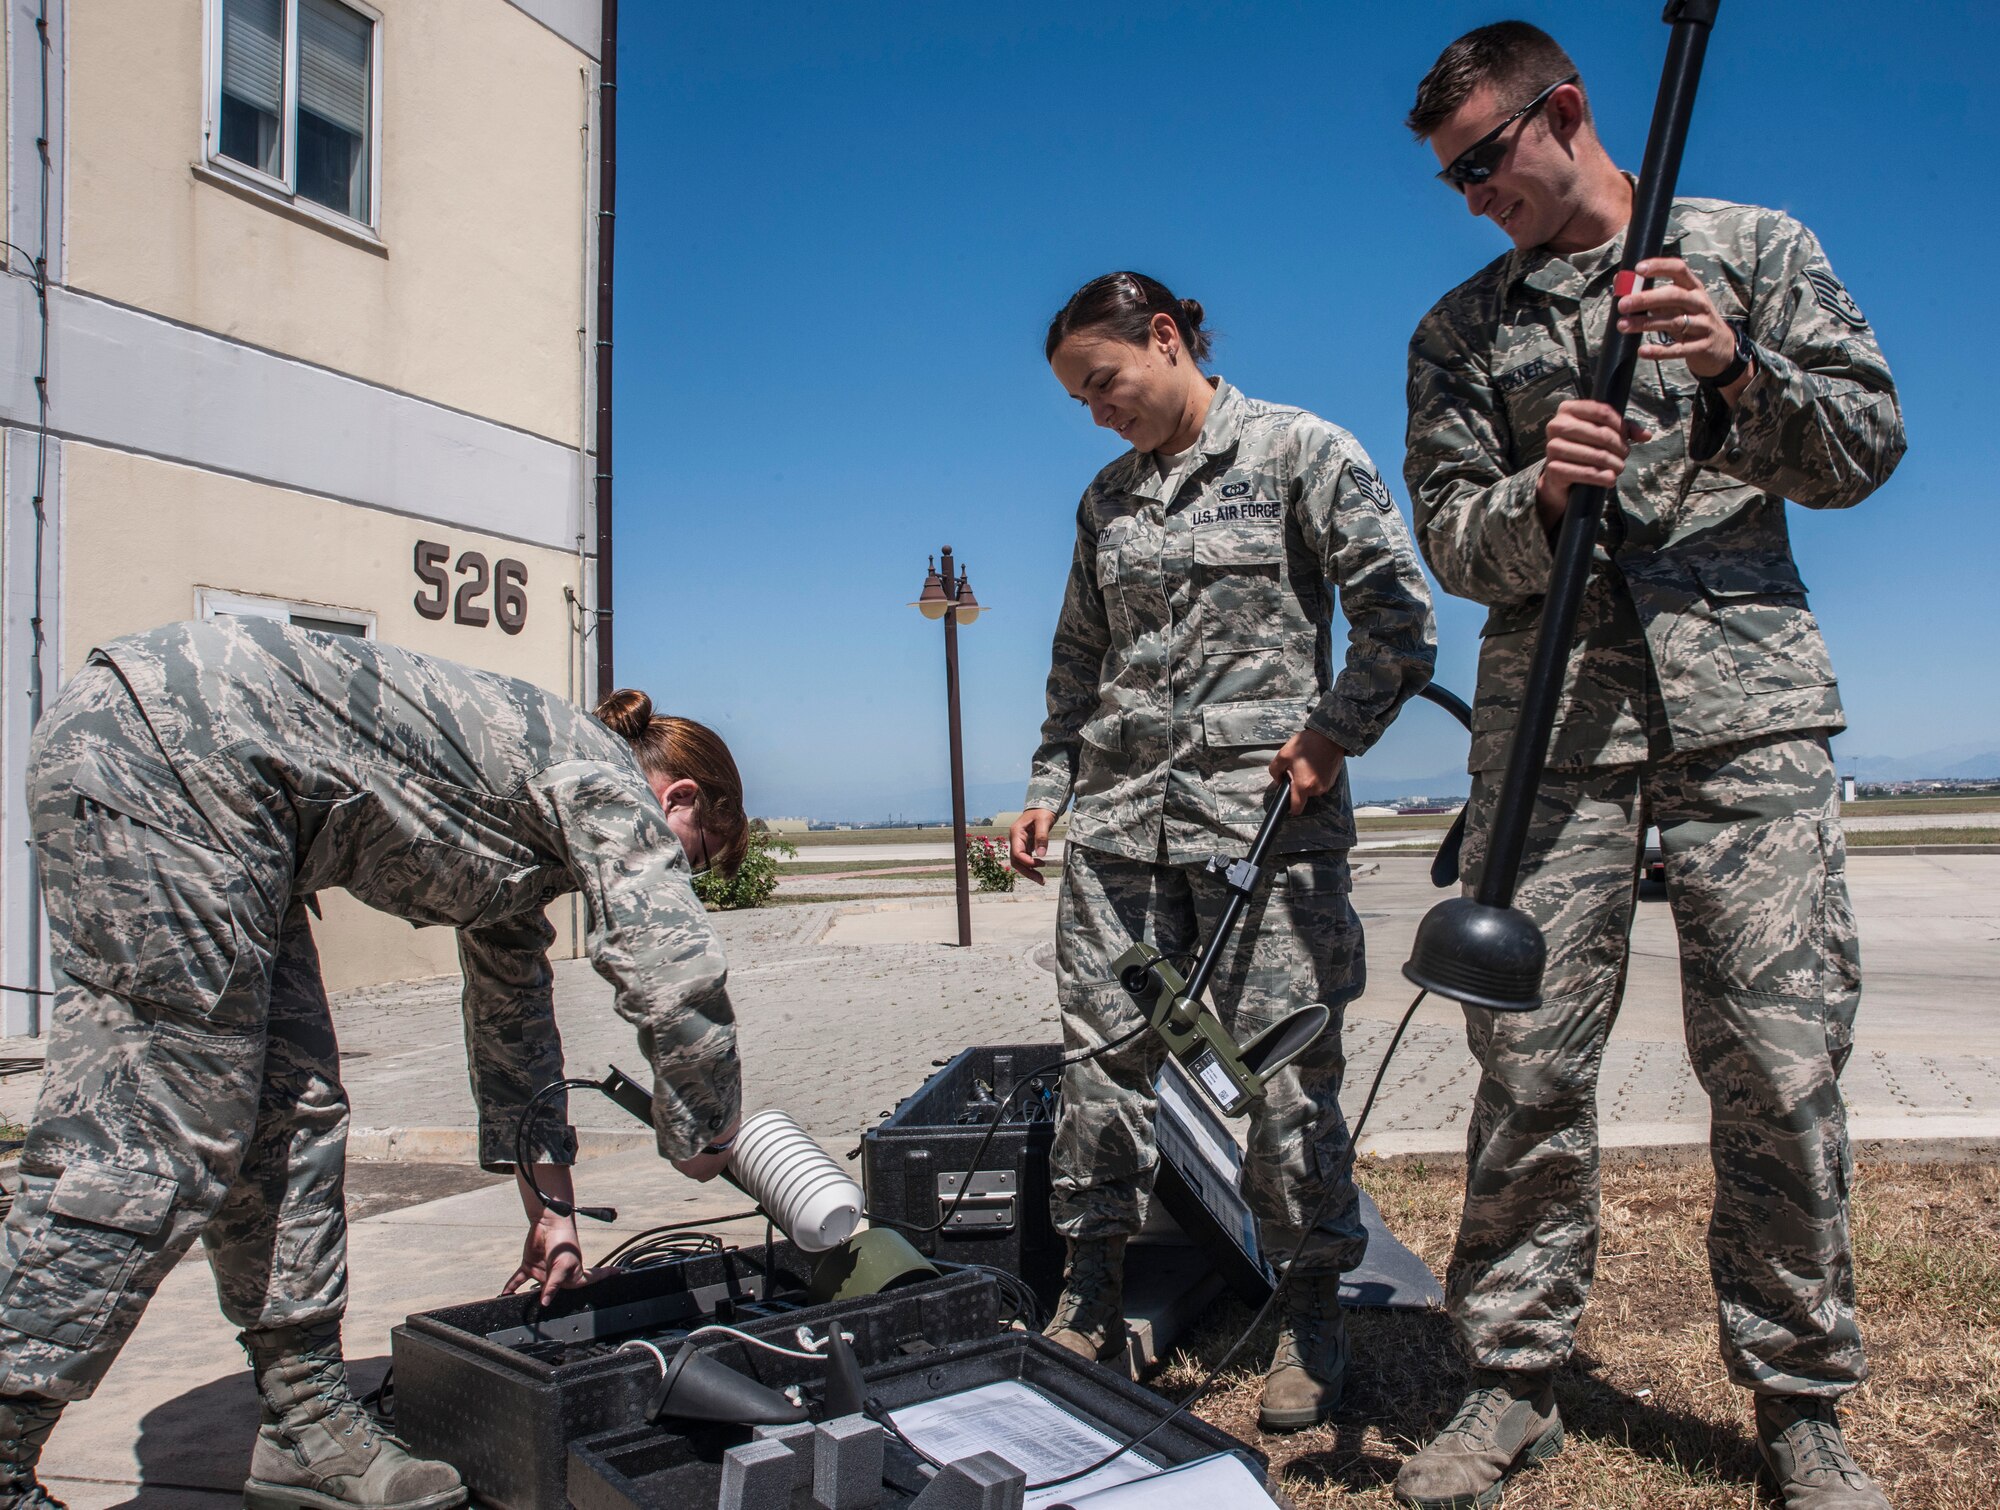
point(1478, 162)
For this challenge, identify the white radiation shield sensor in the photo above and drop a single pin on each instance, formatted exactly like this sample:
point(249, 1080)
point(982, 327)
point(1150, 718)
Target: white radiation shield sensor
point(810, 1198)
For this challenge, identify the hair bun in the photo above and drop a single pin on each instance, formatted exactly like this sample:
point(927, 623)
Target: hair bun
point(627, 712)
point(1191, 312)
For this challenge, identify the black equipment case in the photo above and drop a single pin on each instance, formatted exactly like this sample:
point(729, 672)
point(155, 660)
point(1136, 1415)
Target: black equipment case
point(645, 1467)
point(914, 1161)
point(500, 1388)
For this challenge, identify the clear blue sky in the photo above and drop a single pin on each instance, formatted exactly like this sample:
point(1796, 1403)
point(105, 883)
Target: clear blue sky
point(843, 229)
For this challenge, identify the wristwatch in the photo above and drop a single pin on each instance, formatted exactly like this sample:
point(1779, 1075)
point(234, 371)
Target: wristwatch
point(1746, 353)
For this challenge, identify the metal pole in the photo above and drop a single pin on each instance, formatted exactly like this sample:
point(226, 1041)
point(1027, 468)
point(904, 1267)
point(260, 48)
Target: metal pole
point(607, 204)
point(959, 866)
point(1528, 755)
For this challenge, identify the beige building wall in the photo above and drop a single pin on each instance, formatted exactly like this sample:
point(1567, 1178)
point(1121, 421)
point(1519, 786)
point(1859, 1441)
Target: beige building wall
point(142, 536)
point(474, 296)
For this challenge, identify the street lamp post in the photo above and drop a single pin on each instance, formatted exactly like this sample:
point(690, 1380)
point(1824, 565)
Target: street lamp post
point(950, 598)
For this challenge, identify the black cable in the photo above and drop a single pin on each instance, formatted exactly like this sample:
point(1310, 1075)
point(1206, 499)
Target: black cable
point(556, 1204)
point(658, 1244)
point(698, 1221)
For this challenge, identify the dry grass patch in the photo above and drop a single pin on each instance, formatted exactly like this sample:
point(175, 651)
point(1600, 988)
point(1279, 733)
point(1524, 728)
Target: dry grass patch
point(1883, 838)
point(1652, 1420)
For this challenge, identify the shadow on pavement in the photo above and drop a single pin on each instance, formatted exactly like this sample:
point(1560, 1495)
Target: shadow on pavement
point(195, 1447)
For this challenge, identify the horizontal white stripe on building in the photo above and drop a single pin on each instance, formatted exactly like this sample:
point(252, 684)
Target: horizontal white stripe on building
point(578, 22)
point(122, 378)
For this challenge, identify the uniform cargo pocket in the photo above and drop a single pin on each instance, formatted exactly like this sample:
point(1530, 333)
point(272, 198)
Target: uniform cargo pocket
point(1259, 725)
point(429, 881)
point(1760, 607)
point(1239, 572)
point(1105, 732)
point(151, 912)
point(88, 1229)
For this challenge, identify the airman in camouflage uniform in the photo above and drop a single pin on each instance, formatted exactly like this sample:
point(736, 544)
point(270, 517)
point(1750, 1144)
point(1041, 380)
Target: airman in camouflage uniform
point(191, 790)
point(1195, 640)
point(1698, 698)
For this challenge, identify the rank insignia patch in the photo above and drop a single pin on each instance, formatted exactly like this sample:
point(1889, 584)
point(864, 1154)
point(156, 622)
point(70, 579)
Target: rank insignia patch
point(1374, 489)
point(1834, 299)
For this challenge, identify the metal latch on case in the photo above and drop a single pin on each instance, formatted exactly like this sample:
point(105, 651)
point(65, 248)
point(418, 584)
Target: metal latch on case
point(988, 1206)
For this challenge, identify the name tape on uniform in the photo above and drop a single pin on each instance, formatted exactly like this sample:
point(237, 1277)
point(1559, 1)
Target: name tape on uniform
point(1237, 513)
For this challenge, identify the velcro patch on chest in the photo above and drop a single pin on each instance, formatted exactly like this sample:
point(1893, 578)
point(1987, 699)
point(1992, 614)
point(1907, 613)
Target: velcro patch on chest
point(1834, 298)
point(1525, 373)
point(1373, 488)
point(1236, 490)
point(1248, 511)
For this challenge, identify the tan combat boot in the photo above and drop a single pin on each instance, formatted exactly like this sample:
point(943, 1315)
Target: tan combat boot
point(1090, 1314)
point(317, 1447)
point(1802, 1446)
point(1505, 1422)
point(25, 1424)
point(1308, 1371)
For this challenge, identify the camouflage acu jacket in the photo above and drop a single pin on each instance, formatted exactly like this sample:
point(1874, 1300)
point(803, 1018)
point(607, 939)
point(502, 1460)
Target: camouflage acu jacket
point(1194, 636)
point(450, 796)
point(1695, 601)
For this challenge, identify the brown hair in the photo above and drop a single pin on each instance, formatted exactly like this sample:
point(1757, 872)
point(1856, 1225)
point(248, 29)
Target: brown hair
point(681, 749)
point(1124, 304)
point(1517, 59)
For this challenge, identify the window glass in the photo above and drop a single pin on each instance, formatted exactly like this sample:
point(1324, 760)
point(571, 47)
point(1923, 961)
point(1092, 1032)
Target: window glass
point(334, 80)
point(329, 626)
point(253, 84)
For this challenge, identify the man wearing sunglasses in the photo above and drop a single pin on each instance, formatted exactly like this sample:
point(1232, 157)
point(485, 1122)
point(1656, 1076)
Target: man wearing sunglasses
point(1699, 698)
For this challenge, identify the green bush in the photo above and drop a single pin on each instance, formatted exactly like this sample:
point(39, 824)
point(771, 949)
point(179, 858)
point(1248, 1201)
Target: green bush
point(754, 882)
point(987, 859)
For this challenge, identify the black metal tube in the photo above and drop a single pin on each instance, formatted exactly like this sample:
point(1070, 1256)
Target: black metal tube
point(1232, 910)
point(1450, 701)
point(607, 208)
point(1527, 755)
point(960, 864)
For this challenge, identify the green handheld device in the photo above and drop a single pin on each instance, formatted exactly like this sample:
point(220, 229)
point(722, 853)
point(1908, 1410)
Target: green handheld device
point(1233, 1075)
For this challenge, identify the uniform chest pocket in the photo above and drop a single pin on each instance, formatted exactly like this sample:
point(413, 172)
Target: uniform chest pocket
point(1532, 390)
point(1122, 570)
point(1239, 574)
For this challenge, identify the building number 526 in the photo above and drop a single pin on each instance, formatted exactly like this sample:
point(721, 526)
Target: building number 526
point(508, 579)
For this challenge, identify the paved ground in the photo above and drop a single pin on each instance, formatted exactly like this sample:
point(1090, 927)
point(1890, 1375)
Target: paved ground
point(1862, 822)
point(845, 1006)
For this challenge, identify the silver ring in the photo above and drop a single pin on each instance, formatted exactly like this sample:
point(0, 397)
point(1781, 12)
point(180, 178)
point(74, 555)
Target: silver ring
point(1681, 334)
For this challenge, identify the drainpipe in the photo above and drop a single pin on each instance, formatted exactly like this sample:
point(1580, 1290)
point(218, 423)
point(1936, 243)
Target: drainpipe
point(607, 195)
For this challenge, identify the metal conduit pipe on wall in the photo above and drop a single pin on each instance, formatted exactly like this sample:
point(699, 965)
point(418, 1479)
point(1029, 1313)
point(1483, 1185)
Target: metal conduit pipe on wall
point(607, 196)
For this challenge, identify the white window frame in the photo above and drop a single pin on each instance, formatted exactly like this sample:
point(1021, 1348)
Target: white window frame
point(213, 602)
point(283, 189)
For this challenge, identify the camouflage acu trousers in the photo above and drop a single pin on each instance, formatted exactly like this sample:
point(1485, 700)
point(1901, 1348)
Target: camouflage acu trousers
point(1299, 942)
point(1770, 979)
point(192, 1086)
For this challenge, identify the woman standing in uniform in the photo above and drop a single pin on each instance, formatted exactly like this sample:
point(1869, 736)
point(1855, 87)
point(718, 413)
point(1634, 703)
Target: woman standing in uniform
point(1191, 669)
point(191, 789)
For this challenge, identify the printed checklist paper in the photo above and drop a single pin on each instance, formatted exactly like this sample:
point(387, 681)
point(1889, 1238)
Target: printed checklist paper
point(1037, 1435)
